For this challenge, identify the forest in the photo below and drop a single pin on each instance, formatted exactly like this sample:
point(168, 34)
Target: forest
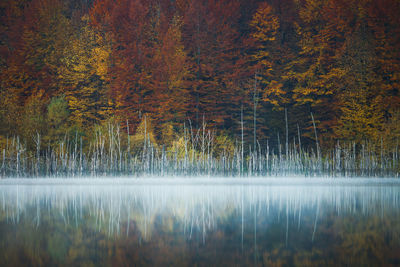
point(246, 72)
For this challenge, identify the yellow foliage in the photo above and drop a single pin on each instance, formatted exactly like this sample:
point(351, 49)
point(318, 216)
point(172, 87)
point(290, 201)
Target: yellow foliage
point(83, 76)
point(167, 134)
point(265, 24)
point(223, 145)
point(144, 133)
point(361, 119)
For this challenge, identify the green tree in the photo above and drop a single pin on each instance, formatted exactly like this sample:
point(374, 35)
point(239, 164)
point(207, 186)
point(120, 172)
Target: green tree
point(33, 119)
point(57, 119)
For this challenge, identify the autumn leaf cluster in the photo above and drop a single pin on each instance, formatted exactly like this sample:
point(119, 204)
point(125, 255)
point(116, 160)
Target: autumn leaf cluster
point(70, 65)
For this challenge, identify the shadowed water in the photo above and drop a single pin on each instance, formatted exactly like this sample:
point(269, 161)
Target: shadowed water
point(203, 222)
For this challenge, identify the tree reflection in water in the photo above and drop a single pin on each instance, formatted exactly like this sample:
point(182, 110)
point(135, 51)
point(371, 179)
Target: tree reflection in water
point(203, 223)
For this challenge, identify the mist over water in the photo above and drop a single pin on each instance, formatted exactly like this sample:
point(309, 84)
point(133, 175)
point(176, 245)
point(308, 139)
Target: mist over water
point(200, 221)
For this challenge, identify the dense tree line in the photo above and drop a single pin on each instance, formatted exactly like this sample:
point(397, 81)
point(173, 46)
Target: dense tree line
point(67, 66)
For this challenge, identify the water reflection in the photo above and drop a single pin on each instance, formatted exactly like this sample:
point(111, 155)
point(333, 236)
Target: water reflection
point(203, 223)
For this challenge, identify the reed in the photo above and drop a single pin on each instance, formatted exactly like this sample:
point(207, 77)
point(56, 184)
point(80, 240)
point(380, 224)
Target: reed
point(193, 155)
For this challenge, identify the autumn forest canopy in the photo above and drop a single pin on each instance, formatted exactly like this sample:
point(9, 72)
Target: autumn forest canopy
point(68, 66)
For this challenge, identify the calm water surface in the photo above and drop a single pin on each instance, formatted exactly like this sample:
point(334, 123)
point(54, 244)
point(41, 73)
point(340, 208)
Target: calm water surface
point(200, 222)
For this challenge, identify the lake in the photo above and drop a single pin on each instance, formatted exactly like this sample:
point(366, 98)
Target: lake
point(200, 222)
